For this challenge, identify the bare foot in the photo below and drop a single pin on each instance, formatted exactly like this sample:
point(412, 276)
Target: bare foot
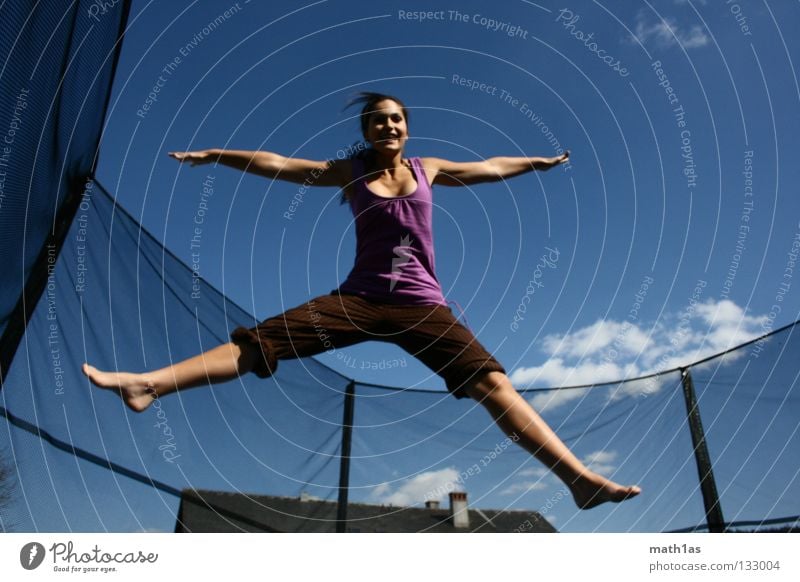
point(592, 490)
point(134, 389)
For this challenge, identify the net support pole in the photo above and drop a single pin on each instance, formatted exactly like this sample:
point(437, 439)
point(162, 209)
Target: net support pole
point(708, 486)
point(344, 466)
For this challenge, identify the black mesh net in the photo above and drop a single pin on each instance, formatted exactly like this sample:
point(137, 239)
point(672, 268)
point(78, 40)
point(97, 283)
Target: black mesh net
point(58, 63)
point(750, 405)
point(80, 455)
point(141, 311)
point(76, 459)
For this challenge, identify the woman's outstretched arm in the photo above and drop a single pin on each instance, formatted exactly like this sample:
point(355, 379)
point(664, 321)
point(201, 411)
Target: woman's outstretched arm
point(449, 173)
point(272, 165)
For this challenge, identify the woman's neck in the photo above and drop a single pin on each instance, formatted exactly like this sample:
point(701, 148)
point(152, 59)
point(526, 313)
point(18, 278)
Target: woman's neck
point(388, 162)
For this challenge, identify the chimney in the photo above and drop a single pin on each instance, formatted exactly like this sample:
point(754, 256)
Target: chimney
point(458, 509)
point(432, 504)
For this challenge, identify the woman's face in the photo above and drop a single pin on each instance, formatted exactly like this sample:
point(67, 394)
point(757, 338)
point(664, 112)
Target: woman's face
point(387, 130)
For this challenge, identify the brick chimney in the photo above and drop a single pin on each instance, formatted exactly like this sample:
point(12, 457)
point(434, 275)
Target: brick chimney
point(432, 504)
point(458, 509)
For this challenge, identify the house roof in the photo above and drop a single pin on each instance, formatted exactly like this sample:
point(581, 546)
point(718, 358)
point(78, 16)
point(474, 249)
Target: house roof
point(218, 511)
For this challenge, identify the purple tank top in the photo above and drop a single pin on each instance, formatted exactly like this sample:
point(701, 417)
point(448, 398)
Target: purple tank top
point(394, 244)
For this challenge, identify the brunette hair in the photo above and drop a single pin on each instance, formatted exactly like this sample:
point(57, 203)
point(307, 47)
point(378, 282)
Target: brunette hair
point(368, 100)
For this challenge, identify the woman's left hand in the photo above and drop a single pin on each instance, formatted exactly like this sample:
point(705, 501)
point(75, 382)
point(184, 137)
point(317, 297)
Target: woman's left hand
point(548, 163)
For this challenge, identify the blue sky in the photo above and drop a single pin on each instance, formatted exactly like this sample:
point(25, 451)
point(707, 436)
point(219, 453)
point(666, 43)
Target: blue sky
point(668, 237)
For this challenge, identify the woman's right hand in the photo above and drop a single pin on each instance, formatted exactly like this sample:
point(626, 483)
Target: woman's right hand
point(195, 158)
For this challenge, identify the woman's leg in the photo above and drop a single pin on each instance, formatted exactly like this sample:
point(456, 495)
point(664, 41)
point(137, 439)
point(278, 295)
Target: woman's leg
point(322, 324)
point(516, 417)
point(220, 364)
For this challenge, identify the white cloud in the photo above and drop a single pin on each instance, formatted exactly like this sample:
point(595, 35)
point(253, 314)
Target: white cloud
point(418, 489)
point(381, 490)
point(600, 457)
point(600, 462)
point(607, 351)
point(729, 325)
point(644, 387)
point(527, 485)
point(597, 337)
point(666, 32)
point(554, 398)
point(557, 372)
point(523, 487)
point(533, 472)
point(584, 342)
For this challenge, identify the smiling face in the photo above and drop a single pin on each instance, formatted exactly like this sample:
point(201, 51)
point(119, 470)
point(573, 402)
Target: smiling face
point(386, 129)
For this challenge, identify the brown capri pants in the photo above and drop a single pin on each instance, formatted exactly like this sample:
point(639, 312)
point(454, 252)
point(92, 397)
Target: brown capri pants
point(429, 333)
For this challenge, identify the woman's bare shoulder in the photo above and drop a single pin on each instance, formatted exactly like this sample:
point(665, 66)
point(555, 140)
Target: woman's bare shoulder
point(432, 167)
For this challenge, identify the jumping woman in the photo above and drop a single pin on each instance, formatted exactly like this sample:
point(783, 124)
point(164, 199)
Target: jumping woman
point(392, 293)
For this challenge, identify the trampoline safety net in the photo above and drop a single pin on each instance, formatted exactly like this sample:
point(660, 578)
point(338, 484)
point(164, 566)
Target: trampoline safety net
point(83, 462)
point(74, 458)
